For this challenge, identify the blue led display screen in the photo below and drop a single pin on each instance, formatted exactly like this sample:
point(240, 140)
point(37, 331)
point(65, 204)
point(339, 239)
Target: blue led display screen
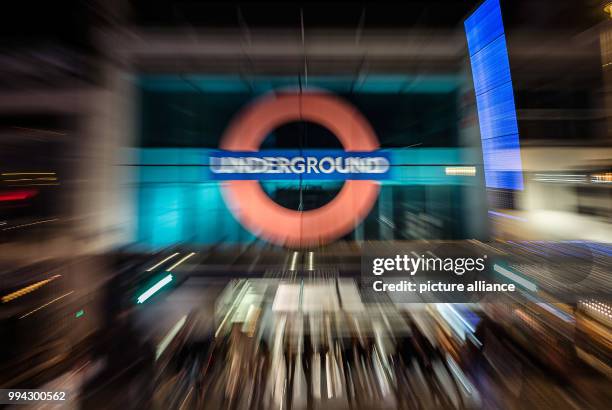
point(494, 97)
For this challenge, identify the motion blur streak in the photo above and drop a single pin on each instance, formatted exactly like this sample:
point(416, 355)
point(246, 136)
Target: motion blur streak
point(26, 173)
point(17, 195)
point(168, 338)
point(157, 265)
point(30, 224)
point(181, 261)
point(155, 288)
point(137, 272)
point(27, 289)
point(516, 278)
point(45, 305)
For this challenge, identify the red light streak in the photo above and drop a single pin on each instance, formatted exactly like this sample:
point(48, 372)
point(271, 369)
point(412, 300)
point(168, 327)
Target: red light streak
point(17, 195)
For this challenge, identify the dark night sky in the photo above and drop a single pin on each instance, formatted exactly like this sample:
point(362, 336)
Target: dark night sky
point(69, 22)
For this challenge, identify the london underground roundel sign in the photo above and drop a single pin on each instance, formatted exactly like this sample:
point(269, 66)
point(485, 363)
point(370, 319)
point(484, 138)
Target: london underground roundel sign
point(265, 218)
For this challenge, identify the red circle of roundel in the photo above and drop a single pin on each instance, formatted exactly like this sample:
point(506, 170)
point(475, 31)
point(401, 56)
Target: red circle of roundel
point(258, 212)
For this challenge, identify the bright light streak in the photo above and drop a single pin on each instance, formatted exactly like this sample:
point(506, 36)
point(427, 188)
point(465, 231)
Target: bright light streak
point(602, 309)
point(17, 195)
point(287, 298)
point(549, 308)
point(181, 261)
point(31, 179)
point(516, 278)
point(503, 215)
point(232, 308)
point(562, 175)
point(293, 260)
point(461, 171)
point(602, 178)
point(155, 288)
point(30, 224)
point(39, 130)
point(27, 289)
point(556, 312)
point(451, 319)
point(561, 178)
point(457, 322)
point(310, 261)
point(162, 262)
point(22, 185)
point(459, 374)
point(460, 317)
point(46, 304)
point(27, 173)
point(171, 335)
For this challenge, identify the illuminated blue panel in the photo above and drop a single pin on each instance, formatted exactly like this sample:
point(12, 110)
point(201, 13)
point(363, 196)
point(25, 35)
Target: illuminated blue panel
point(494, 97)
point(491, 67)
point(496, 113)
point(484, 26)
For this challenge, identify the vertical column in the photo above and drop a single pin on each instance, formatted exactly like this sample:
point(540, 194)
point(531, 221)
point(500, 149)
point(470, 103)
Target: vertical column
point(605, 42)
point(106, 198)
point(474, 197)
point(385, 213)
